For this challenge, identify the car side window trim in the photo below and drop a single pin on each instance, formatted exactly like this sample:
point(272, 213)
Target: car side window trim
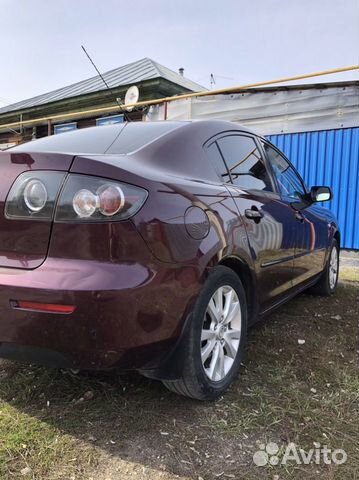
point(226, 133)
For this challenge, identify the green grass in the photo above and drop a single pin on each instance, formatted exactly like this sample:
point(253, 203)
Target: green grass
point(28, 442)
point(131, 425)
point(349, 274)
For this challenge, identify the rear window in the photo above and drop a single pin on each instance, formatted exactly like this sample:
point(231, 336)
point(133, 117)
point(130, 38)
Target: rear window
point(120, 139)
point(137, 134)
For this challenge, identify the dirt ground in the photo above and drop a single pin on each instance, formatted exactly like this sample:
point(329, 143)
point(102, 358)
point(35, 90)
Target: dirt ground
point(299, 383)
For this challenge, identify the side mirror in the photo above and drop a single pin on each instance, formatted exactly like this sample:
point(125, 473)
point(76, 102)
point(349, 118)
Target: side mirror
point(321, 194)
point(316, 194)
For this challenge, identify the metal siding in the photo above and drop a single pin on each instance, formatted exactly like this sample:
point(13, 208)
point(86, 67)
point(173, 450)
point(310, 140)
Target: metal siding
point(330, 157)
point(275, 110)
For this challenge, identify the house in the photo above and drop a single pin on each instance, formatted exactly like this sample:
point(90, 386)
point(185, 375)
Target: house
point(82, 104)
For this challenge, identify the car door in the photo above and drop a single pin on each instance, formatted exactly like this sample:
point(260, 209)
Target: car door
point(269, 221)
point(309, 255)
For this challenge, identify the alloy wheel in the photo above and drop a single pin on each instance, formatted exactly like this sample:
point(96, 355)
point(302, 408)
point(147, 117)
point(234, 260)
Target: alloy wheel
point(333, 268)
point(221, 333)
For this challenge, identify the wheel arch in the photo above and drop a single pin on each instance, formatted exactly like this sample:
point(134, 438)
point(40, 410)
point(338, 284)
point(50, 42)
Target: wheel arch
point(336, 236)
point(247, 277)
point(169, 367)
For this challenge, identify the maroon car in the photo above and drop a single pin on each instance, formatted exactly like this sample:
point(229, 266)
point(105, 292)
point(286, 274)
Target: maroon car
point(153, 246)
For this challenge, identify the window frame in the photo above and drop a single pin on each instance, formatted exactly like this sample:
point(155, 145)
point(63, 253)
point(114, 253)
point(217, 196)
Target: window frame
point(262, 141)
point(256, 139)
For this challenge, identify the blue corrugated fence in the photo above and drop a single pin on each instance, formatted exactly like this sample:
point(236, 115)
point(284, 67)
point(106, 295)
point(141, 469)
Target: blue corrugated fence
point(330, 157)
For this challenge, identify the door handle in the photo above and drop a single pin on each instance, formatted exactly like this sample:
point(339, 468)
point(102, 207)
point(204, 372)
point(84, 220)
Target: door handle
point(253, 213)
point(300, 217)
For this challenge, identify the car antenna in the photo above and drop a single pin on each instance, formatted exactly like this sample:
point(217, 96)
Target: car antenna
point(104, 81)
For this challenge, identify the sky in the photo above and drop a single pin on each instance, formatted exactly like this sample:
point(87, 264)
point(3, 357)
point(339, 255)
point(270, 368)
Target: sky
point(238, 41)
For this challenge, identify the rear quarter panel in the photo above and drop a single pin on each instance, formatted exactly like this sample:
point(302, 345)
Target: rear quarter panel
point(163, 221)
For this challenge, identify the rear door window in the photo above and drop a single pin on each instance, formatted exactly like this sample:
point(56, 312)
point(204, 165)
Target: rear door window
point(244, 162)
point(136, 135)
point(217, 162)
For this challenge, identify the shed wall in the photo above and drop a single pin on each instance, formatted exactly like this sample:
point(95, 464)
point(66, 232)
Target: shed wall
point(330, 157)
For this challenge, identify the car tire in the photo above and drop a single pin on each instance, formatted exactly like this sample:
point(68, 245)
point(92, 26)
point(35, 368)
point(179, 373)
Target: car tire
point(328, 280)
point(216, 338)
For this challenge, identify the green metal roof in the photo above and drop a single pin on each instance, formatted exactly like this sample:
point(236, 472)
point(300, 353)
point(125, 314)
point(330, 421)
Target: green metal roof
point(132, 73)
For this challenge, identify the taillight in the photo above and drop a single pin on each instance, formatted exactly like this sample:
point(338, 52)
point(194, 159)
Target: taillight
point(111, 199)
point(85, 203)
point(36, 195)
point(94, 199)
point(33, 195)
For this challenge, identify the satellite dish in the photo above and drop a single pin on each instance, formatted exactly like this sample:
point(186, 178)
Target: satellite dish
point(131, 96)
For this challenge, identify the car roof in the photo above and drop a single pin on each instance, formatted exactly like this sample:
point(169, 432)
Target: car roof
point(174, 148)
point(122, 138)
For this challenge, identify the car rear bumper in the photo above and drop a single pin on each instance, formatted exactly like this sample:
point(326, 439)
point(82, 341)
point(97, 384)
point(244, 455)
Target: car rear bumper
point(126, 315)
